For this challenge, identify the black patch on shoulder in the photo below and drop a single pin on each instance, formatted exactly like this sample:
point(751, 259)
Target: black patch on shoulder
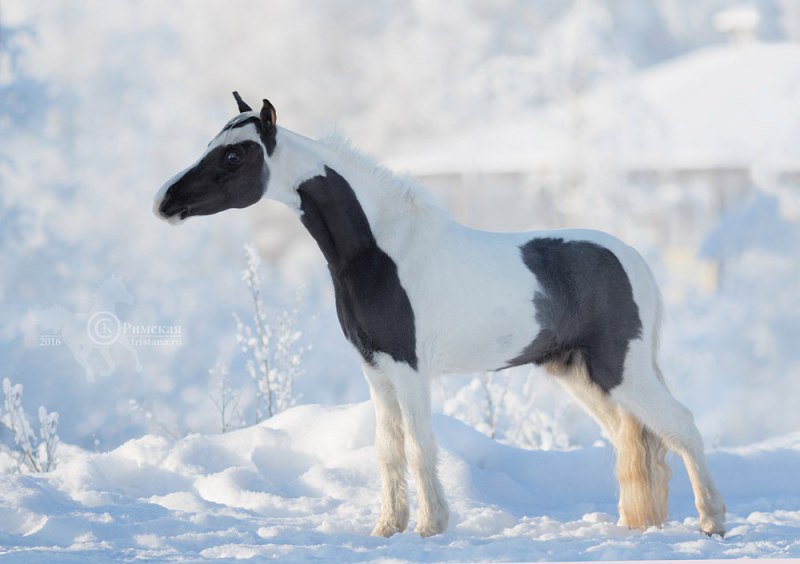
point(585, 308)
point(267, 138)
point(373, 308)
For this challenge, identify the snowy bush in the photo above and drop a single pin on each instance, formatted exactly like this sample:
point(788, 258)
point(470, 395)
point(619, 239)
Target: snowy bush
point(225, 398)
point(273, 354)
point(515, 407)
point(32, 456)
point(146, 412)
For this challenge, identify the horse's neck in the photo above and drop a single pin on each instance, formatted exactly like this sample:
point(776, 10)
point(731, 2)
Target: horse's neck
point(384, 201)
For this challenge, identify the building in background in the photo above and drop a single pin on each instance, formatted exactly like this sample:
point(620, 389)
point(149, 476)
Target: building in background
point(657, 157)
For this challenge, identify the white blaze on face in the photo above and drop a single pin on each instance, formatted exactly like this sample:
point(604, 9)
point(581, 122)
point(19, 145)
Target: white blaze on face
point(232, 134)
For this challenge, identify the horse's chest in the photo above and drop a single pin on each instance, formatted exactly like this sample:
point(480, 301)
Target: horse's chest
point(373, 307)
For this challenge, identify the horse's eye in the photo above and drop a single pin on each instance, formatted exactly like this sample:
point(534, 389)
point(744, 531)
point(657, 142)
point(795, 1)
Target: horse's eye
point(232, 158)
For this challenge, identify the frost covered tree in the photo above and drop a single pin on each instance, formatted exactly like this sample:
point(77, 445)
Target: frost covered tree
point(494, 393)
point(272, 349)
point(512, 407)
point(32, 455)
point(225, 398)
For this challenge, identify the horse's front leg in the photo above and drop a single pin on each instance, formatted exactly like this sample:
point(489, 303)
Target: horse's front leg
point(413, 397)
point(390, 449)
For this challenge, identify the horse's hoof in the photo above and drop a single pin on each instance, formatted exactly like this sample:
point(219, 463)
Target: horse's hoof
point(425, 532)
point(713, 526)
point(385, 530)
point(435, 527)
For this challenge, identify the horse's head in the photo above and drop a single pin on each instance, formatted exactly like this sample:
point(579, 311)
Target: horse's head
point(232, 173)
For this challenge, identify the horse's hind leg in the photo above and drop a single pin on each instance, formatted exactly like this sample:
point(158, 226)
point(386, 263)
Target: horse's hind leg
point(643, 393)
point(642, 471)
point(390, 449)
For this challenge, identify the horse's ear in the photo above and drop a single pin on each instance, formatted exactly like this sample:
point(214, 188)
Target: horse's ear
point(268, 116)
point(243, 107)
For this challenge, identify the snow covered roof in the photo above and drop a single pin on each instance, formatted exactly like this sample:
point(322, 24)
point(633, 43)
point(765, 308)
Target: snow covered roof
point(717, 107)
point(742, 17)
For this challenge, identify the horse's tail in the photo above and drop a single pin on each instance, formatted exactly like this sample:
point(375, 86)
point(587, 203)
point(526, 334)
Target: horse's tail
point(643, 474)
point(642, 467)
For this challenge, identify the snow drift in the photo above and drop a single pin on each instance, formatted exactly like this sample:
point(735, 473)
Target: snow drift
point(304, 485)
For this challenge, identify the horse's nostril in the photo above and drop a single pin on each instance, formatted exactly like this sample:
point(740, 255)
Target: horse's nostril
point(165, 203)
point(169, 208)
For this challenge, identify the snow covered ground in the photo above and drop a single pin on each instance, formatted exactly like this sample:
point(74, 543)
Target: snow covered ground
point(304, 485)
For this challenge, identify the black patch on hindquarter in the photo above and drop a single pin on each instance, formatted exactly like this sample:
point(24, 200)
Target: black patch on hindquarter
point(216, 184)
point(585, 308)
point(373, 308)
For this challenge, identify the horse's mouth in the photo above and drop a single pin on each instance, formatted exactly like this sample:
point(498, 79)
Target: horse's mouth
point(176, 217)
point(172, 211)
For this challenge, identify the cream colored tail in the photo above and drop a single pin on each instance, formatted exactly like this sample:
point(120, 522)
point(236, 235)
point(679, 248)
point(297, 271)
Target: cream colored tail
point(643, 474)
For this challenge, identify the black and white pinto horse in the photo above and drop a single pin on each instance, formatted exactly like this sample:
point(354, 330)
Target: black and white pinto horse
point(419, 295)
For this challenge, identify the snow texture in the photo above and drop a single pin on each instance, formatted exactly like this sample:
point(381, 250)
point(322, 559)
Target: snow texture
point(304, 485)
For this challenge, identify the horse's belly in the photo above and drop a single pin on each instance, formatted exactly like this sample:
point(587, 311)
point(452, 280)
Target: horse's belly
point(481, 324)
point(489, 340)
point(472, 301)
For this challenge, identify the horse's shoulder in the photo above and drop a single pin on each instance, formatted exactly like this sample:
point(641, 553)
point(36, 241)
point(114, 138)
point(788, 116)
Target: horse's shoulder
point(372, 305)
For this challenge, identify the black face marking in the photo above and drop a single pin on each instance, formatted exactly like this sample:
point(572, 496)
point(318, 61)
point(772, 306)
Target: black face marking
point(373, 308)
point(586, 308)
point(241, 123)
point(229, 176)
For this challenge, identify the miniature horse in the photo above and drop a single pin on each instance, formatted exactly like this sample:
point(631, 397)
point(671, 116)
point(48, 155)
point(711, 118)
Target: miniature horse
point(418, 295)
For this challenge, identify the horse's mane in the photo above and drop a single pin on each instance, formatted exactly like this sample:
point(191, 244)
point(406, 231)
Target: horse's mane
point(419, 198)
